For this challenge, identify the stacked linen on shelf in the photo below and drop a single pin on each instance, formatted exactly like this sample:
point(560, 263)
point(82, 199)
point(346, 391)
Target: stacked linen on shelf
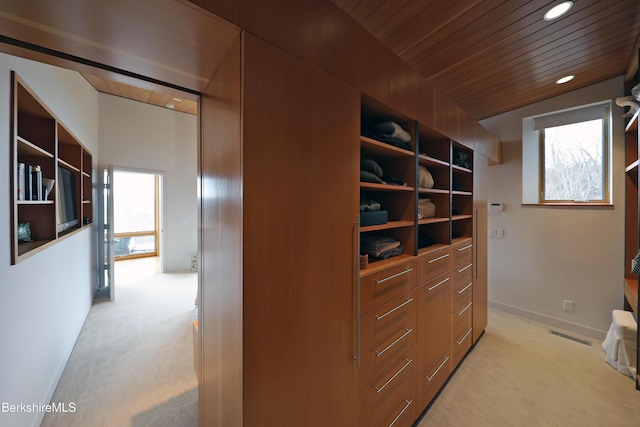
point(370, 171)
point(380, 247)
point(387, 132)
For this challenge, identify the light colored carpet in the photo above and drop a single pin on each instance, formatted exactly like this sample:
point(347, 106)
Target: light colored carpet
point(521, 375)
point(133, 362)
point(133, 366)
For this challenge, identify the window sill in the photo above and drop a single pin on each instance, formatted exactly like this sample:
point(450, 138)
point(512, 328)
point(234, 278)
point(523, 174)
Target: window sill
point(572, 205)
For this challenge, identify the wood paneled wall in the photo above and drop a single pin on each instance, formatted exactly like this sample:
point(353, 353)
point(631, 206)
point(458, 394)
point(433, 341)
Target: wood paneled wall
point(323, 35)
point(220, 245)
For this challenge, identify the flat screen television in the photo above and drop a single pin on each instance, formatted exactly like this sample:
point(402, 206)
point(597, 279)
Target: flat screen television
point(67, 201)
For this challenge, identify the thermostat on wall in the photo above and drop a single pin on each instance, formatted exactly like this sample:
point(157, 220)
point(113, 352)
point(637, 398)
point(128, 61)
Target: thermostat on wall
point(495, 207)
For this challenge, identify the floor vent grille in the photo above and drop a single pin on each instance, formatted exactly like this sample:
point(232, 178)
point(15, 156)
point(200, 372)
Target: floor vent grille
point(572, 338)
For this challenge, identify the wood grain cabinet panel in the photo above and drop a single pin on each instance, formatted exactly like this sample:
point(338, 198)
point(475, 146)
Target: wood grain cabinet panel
point(380, 399)
point(381, 322)
point(433, 264)
point(382, 287)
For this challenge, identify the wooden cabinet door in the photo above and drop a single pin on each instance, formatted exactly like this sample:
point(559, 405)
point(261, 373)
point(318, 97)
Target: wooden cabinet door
point(480, 292)
point(300, 205)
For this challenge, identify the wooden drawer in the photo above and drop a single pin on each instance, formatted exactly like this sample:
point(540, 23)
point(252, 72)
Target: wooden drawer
point(382, 356)
point(462, 253)
point(403, 414)
point(379, 400)
point(431, 380)
point(381, 322)
point(433, 264)
point(459, 346)
point(380, 288)
point(433, 320)
point(462, 275)
point(462, 294)
point(461, 319)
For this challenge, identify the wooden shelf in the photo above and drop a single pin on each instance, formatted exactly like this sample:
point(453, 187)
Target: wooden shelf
point(457, 168)
point(388, 226)
point(461, 217)
point(431, 161)
point(432, 191)
point(40, 139)
point(433, 220)
point(26, 148)
point(381, 148)
point(462, 193)
point(384, 187)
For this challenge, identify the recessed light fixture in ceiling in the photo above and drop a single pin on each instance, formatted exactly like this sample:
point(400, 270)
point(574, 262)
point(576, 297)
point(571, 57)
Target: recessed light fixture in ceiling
point(564, 79)
point(558, 10)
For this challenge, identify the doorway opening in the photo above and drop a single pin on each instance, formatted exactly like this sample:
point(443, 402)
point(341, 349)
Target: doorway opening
point(136, 214)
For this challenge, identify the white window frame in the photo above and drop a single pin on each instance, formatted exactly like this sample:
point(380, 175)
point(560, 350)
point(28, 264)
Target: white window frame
point(533, 154)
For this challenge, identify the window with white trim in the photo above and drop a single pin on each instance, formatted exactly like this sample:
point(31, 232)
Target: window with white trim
point(566, 156)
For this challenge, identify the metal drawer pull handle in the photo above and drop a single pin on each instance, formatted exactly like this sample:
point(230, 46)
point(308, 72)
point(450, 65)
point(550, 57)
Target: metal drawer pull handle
point(409, 402)
point(437, 284)
point(394, 276)
point(446, 359)
point(464, 337)
point(378, 354)
point(461, 291)
point(378, 390)
point(465, 248)
point(437, 259)
point(394, 309)
point(465, 309)
point(460, 271)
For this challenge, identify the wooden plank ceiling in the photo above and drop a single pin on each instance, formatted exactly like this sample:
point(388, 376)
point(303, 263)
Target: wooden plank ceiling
point(488, 56)
point(492, 56)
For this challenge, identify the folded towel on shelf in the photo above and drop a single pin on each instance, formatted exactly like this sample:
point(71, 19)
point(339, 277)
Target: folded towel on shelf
point(425, 179)
point(392, 130)
point(387, 132)
point(391, 252)
point(393, 180)
point(426, 208)
point(375, 246)
point(366, 176)
point(367, 205)
point(366, 164)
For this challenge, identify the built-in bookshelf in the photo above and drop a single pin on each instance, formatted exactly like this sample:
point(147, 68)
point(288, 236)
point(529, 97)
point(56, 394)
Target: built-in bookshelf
point(51, 175)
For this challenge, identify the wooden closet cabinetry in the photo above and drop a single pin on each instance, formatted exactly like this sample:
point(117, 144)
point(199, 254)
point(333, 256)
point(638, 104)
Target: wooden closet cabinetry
point(42, 142)
point(417, 306)
point(632, 242)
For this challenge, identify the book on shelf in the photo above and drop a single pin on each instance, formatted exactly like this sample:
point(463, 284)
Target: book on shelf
point(36, 183)
point(21, 182)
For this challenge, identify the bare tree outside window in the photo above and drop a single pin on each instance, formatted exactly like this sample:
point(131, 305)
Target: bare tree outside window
point(574, 165)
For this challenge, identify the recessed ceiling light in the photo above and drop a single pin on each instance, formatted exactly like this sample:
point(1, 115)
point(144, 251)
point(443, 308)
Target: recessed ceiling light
point(564, 79)
point(558, 10)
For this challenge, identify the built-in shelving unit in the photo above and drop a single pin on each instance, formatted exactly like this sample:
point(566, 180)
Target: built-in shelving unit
point(421, 299)
point(632, 237)
point(42, 142)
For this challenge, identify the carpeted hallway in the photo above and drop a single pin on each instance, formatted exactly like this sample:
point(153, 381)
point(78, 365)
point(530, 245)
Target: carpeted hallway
point(133, 362)
point(133, 366)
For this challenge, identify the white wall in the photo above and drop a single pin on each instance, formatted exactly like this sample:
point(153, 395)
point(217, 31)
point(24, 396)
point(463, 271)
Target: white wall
point(549, 254)
point(45, 298)
point(139, 136)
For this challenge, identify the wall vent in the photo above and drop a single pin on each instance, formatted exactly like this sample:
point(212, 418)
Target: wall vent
point(570, 337)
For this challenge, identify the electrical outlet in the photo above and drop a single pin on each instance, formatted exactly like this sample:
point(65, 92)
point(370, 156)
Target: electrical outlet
point(497, 233)
point(567, 306)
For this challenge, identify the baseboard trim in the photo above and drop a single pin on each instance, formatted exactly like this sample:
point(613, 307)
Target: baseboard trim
point(551, 321)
